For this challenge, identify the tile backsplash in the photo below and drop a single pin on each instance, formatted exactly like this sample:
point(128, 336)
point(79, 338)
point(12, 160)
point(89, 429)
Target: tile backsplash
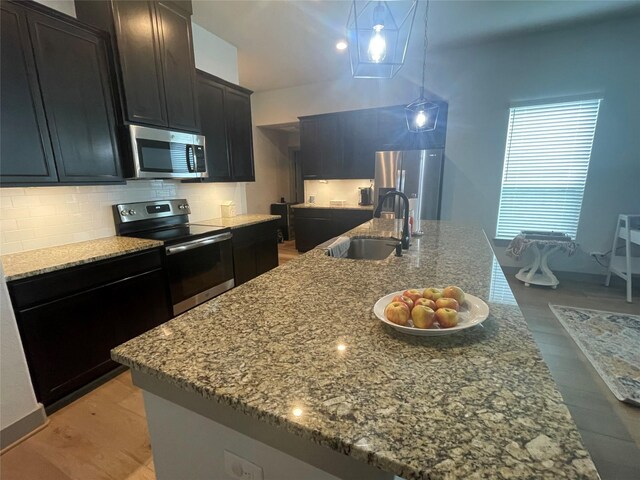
point(327, 190)
point(38, 217)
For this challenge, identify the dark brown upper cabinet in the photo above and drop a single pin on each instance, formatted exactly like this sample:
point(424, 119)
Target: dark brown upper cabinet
point(342, 145)
point(321, 147)
point(225, 119)
point(58, 123)
point(155, 58)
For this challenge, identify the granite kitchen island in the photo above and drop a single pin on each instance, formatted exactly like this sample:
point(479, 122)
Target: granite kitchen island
point(293, 372)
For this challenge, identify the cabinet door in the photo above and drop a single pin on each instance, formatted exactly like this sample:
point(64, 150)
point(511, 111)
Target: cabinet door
point(237, 106)
point(359, 130)
point(330, 146)
point(75, 83)
point(140, 62)
point(267, 247)
point(311, 232)
point(310, 149)
point(244, 262)
point(178, 67)
point(67, 341)
point(321, 147)
point(25, 147)
point(393, 133)
point(212, 120)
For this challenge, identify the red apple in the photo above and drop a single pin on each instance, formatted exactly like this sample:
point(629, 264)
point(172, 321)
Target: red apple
point(427, 303)
point(413, 294)
point(406, 300)
point(448, 303)
point(397, 312)
point(447, 317)
point(432, 293)
point(423, 317)
point(454, 292)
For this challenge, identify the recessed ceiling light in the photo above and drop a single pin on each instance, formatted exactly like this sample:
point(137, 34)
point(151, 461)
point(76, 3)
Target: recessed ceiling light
point(341, 45)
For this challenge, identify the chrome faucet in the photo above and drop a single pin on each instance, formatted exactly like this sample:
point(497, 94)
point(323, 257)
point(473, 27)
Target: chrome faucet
point(405, 227)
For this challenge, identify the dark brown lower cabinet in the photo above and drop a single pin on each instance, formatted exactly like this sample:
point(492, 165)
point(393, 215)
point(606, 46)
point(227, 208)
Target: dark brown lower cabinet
point(255, 250)
point(316, 225)
point(71, 319)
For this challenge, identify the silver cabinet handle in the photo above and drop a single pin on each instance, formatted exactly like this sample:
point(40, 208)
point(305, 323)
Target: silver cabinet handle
point(183, 247)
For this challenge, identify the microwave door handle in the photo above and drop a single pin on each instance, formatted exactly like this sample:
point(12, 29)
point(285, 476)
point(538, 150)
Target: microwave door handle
point(183, 247)
point(189, 150)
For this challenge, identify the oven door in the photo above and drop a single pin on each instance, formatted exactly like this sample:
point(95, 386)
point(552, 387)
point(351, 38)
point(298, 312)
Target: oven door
point(199, 270)
point(160, 153)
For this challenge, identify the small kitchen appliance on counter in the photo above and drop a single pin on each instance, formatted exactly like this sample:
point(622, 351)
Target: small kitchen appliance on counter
point(199, 258)
point(365, 196)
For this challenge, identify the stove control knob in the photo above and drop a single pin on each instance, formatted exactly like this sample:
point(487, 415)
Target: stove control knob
point(131, 212)
point(183, 206)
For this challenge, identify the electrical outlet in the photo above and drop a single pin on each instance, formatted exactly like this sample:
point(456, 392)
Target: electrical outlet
point(240, 469)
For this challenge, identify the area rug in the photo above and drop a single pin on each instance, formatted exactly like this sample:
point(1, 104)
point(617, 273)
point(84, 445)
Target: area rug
point(611, 342)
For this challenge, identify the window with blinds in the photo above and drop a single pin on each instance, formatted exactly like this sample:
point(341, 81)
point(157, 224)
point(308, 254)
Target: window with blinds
point(545, 167)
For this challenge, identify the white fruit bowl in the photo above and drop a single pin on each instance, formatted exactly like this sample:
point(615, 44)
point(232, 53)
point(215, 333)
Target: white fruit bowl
point(472, 312)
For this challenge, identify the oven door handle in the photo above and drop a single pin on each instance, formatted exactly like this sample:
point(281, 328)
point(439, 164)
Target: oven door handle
point(183, 247)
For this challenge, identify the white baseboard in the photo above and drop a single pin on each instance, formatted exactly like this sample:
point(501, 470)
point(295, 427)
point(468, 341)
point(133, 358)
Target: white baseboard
point(22, 428)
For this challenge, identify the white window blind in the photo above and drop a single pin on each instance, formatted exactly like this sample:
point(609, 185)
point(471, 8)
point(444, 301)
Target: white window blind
point(545, 167)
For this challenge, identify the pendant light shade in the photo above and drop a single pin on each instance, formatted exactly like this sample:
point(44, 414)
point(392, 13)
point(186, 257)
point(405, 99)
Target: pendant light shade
point(421, 114)
point(378, 34)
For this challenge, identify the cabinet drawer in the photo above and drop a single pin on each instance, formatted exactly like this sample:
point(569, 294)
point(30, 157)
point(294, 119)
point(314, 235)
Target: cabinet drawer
point(49, 286)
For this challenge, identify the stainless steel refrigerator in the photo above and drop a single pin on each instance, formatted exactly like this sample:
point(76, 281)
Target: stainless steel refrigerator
point(416, 173)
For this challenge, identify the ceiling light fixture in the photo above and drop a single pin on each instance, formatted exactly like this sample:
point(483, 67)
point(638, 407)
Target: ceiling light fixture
point(421, 114)
point(341, 45)
point(377, 41)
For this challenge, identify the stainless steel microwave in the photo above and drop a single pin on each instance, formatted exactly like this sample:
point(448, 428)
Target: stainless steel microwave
point(158, 153)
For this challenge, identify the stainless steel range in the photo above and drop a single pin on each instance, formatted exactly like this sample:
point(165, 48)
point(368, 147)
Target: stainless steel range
point(199, 258)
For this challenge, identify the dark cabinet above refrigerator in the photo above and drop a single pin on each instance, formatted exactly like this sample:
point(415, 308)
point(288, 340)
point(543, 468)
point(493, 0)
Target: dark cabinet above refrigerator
point(343, 145)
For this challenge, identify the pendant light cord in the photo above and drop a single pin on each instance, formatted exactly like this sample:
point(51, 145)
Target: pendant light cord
point(426, 44)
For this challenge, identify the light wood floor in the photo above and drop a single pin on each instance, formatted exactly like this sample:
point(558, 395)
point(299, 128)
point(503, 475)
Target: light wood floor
point(103, 435)
point(287, 251)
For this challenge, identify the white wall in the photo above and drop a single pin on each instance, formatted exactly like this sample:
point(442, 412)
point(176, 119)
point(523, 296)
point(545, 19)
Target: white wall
point(479, 82)
point(214, 55)
point(39, 217)
point(64, 6)
point(271, 160)
point(327, 190)
point(17, 399)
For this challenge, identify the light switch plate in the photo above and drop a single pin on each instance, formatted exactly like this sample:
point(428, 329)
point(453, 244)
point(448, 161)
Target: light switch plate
point(240, 469)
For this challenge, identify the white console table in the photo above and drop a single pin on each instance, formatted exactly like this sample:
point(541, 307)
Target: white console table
point(625, 266)
point(538, 271)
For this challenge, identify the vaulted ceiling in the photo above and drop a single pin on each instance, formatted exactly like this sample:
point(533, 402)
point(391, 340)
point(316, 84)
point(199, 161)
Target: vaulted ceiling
point(288, 43)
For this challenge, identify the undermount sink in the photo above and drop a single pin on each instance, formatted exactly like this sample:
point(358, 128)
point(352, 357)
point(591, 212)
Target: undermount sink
point(370, 248)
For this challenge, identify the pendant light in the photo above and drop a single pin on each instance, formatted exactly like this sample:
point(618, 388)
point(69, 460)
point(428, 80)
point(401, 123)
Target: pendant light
point(421, 114)
point(378, 34)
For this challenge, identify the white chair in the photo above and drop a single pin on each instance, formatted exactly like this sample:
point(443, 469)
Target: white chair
point(625, 266)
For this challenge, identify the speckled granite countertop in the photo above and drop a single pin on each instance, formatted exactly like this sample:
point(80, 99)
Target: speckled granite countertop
point(238, 221)
point(44, 260)
point(478, 404)
point(333, 207)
